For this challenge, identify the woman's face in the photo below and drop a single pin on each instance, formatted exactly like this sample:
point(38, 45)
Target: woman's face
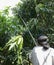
point(43, 40)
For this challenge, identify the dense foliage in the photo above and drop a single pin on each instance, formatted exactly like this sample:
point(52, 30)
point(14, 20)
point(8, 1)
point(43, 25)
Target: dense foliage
point(38, 16)
point(11, 52)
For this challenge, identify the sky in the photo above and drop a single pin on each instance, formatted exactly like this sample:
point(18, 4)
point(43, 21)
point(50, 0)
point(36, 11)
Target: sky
point(5, 3)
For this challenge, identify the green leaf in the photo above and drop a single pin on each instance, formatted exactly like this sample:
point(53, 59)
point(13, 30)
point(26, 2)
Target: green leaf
point(12, 46)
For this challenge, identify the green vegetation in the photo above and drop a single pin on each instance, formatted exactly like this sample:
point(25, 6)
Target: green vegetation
point(30, 19)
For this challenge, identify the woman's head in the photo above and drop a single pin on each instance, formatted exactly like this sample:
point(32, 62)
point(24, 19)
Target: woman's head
point(43, 40)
